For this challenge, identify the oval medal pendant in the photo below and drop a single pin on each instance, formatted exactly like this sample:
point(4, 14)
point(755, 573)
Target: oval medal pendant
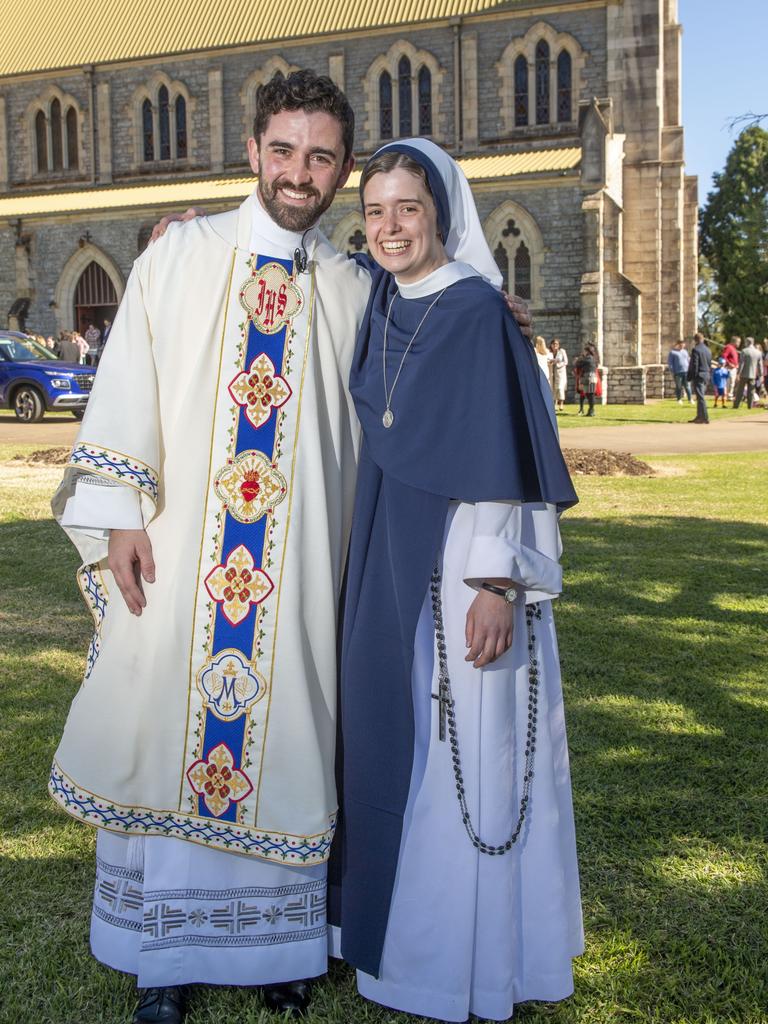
point(388, 418)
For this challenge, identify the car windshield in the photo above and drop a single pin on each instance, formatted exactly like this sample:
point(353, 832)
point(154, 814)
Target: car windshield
point(23, 349)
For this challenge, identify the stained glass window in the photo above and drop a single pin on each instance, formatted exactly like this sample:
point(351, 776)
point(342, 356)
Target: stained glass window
point(564, 101)
point(72, 157)
point(164, 123)
point(41, 139)
point(542, 82)
point(501, 256)
point(147, 130)
point(181, 127)
point(56, 147)
point(425, 101)
point(404, 96)
point(385, 105)
point(521, 92)
point(523, 272)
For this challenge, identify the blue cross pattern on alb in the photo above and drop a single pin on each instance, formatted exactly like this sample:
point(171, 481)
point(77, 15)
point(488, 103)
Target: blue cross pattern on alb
point(252, 535)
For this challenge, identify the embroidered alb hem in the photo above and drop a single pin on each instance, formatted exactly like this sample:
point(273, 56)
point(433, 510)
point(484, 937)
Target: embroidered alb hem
point(279, 847)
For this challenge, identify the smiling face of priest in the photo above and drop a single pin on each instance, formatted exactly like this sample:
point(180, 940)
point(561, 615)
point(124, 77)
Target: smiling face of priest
point(401, 225)
point(300, 162)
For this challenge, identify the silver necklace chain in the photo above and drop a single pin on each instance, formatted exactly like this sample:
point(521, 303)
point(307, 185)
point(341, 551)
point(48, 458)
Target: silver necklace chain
point(532, 611)
point(389, 417)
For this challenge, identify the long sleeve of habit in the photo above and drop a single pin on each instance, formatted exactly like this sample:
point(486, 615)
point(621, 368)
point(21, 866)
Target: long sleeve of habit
point(517, 541)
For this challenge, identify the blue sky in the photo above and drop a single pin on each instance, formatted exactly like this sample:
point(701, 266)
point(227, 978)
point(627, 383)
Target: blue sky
point(725, 73)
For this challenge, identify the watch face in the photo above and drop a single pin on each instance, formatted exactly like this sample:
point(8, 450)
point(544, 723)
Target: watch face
point(510, 595)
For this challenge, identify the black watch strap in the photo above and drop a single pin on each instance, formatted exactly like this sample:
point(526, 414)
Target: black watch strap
point(493, 589)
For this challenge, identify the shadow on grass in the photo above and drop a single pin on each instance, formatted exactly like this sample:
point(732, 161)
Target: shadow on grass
point(662, 643)
point(662, 636)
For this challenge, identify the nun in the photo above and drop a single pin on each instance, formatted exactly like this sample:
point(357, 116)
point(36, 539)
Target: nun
point(454, 880)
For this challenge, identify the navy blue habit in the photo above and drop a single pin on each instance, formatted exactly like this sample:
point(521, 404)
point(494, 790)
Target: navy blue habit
point(471, 424)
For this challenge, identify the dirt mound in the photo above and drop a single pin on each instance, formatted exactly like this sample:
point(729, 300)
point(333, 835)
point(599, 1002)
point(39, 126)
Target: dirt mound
point(46, 456)
point(600, 462)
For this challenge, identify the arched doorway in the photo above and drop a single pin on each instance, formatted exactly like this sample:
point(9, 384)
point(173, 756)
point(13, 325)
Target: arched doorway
point(95, 299)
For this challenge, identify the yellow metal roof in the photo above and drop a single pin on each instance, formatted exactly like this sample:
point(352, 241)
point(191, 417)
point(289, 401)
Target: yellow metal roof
point(231, 190)
point(68, 33)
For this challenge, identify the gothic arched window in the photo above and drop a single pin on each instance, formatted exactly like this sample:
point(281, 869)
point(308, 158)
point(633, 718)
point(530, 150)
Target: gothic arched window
point(523, 271)
point(425, 100)
point(404, 96)
point(521, 92)
point(385, 105)
point(181, 127)
point(564, 87)
point(71, 124)
point(41, 140)
point(164, 123)
point(147, 130)
point(542, 82)
point(57, 151)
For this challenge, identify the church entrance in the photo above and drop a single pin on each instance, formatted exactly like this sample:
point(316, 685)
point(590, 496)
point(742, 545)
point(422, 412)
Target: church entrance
point(95, 299)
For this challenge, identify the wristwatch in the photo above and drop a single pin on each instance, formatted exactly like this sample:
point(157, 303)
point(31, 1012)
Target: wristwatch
point(509, 594)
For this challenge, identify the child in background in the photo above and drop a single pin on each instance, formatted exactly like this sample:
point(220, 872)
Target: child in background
point(720, 377)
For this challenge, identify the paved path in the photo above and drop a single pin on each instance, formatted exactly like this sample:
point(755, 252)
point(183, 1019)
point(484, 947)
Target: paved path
point(51, 432)
point(748, 433)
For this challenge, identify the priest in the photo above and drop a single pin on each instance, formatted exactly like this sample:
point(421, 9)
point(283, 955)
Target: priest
point(209, 495)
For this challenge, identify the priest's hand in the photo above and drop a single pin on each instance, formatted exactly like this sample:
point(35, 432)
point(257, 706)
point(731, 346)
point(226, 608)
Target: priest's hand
point(519, 309)
point(162, 225)
point(488, 629)
point(130, 559)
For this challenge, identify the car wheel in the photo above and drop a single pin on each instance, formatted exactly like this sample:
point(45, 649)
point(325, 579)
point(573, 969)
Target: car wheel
point(78, 413)
point(28, 405)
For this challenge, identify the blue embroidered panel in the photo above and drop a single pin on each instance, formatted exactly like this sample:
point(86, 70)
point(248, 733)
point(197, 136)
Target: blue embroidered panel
point(240, 636)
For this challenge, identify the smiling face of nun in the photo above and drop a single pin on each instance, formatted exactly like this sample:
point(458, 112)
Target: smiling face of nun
point(401, 225)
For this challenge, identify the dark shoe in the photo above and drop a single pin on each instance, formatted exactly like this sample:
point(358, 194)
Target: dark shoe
point(287, 997)
point(697, 420)
point(161, 1006)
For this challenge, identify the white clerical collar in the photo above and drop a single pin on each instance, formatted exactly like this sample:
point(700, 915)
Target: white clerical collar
point(441, 278)
point(264, 229)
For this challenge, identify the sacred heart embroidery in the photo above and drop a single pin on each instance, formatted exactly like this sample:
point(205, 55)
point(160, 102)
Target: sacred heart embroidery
point(270, 298)
point(259, 390)
point(250, 486)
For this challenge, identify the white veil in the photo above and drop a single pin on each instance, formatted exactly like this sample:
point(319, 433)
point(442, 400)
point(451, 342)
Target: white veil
point(465, 242)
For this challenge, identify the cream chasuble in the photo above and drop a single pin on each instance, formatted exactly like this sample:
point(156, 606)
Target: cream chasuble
point(222, 401)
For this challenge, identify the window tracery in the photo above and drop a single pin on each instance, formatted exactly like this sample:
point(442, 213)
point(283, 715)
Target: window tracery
point(540, 77)
point(161, 120)
point(54, 127)
point(403, 95)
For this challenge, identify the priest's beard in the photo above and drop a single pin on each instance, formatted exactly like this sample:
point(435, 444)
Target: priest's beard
point(293, 218)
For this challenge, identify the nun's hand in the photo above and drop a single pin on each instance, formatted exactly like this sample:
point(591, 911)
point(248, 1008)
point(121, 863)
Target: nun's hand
point(519, 309)
point(489, 628)
point(162, 225)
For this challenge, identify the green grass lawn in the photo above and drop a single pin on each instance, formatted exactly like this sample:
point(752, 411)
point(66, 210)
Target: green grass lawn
point(662, 634)
point(662, 411)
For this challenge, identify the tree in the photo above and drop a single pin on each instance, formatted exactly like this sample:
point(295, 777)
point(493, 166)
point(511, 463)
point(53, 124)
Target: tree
point(710, 314)
point(734, 235)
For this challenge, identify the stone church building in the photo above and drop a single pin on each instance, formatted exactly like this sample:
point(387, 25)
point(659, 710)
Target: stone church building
point(564, 114)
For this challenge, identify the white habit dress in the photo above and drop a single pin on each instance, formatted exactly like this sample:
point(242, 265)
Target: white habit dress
point(469, 932)
point(190, 888)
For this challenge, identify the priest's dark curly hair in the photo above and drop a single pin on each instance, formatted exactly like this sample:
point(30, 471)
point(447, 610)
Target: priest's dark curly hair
point(304, 90)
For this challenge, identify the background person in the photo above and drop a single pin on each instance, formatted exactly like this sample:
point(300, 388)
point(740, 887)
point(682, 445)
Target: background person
point(699, 370)
point(558, 368)
point(678, 361)
point(587, 368)
point(750, 370)
point(720, 377)
point(731, 355)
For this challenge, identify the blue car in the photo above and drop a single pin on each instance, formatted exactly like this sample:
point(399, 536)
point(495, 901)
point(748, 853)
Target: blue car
point(33, 381)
